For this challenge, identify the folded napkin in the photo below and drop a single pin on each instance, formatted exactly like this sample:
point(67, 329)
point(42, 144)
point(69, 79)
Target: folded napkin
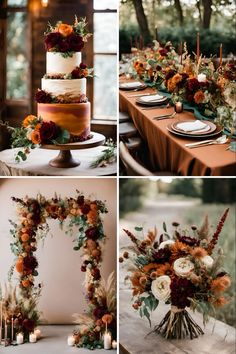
point(132, 84)
point(151, 98)
point(192, 126)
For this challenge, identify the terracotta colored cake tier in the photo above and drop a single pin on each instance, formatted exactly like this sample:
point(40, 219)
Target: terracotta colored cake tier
point(75, 117)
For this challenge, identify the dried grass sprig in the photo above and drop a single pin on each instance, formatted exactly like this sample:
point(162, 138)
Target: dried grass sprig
point(216, 235)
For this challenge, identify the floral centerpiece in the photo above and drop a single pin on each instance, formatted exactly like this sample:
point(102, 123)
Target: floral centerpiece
point(85, 215)
point(183, 271)
point(36, 132)
point(66, 39)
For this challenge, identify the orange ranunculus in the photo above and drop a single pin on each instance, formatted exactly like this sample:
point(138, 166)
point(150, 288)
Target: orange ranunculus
point(220, 284)
point(177, 78)
point(198, 252)
point(150, 266)
point(25, 237)
point(164, 269)
point(179, 249)
point(199, 97)
point(107, 318)
point(35, 137)
point(65, 29)
point(219, 302)
point(92, 217)
point(25, 283)
point(28, 120)
point(19, 265)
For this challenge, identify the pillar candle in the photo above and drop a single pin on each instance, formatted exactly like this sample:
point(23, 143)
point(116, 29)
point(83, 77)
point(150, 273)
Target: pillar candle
point(107, 340)
point(71, 341)
point(6, 329)
point(20, 338)
point(32, 338)
point(221, 54)
point(37, 332)
point(114, 344)
point(178, 107)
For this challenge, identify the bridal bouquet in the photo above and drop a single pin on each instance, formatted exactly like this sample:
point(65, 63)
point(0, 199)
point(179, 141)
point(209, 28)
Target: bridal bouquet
point(184, 271)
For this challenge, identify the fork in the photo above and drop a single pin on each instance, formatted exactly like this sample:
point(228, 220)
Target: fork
point(165, 116)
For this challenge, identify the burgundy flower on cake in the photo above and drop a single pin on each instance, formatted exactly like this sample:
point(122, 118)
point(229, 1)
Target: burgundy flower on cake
point(80, 71)
point(64, 46)
point(48, 132)
point(42, 96)
point(75, 42)
point(52, 40)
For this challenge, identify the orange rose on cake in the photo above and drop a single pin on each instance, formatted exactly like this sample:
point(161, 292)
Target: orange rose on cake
point(65, 29)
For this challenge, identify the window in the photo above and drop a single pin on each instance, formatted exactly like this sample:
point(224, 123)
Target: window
point(16, 50)
point(105, 58)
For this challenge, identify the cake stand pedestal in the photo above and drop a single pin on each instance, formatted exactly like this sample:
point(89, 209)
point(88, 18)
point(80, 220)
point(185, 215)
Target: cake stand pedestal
point(65, 158)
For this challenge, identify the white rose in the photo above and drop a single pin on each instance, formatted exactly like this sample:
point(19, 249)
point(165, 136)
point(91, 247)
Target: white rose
point(161, 287)
point(201, 78)
point(183, 267)
point(29, 133)
point(207, 261)
point(166, 243)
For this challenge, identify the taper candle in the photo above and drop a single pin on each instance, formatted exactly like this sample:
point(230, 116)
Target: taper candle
point(221, 47)
point(12, 329)
point(198, 46)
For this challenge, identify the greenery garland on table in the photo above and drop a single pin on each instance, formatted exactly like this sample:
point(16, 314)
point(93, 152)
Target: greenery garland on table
point(85, 216)
point(184, 271)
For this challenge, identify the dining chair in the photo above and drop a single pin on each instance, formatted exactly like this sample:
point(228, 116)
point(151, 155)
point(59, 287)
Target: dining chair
point(133, 167)
point(124, 117)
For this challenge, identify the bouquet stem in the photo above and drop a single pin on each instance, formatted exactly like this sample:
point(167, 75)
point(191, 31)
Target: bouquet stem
point(178, 324)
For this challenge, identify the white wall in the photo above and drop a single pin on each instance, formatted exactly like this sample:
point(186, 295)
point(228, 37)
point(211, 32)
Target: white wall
point(59, 264)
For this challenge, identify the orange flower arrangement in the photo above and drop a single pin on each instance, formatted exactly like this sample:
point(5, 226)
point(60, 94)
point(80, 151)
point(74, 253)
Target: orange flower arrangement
point(28, 120)
point(199, 97)
point(64, 29)
point(220, 284)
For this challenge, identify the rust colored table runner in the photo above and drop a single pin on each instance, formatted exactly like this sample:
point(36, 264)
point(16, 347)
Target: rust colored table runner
point(167, 152)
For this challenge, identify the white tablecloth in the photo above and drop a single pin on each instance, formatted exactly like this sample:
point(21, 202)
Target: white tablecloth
point(37, 164)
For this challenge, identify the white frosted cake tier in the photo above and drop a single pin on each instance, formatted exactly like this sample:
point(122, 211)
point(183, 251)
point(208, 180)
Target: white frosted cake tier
point(57, 64)
point(74, 87)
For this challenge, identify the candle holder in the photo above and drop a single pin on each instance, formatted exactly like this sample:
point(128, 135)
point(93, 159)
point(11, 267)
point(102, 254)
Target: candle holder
point(178, 107)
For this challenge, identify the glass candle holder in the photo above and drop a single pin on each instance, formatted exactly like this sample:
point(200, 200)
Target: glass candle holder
point(178, 107)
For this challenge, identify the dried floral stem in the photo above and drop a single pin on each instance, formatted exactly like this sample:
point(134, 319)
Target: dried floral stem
point(216, 235)
point(134, 240)
point(178, 325)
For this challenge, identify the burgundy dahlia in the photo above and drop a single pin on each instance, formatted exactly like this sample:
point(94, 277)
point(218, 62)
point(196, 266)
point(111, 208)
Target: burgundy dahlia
point(82, 66)
point(191, 241)
point(85, 209)
point(30, 263)
point(163, 52)
point(162, 255)
point(64, 46)
point(96, 273)
point(92, 233)
point(193, 84)
point(42, 96)
point(48, 132)
point(181, 290)
point(52, 40)
point(170, 74)
point(75, 42)
point(28, 325)
point(99, 311)
point(76, 73)
point(80, 200)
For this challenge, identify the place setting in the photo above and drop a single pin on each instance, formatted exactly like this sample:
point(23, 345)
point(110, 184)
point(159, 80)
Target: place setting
point(151, 101)
point(132, 86)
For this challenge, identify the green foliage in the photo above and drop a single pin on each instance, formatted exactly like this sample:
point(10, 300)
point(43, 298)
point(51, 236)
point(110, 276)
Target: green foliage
point(63, 137)
point(108, 155)
point(209, 39)
point(187, 186)
point(131, 193)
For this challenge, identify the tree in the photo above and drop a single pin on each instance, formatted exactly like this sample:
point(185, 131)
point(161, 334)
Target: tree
point(141, 18)
point(179, 12)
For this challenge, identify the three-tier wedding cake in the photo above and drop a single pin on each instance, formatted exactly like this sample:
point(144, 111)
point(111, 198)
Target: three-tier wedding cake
point(62, 98)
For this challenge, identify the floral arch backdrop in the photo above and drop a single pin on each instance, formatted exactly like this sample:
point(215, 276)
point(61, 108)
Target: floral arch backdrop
point(84, 216)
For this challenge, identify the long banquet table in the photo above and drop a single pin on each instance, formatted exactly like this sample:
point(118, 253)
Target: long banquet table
point(167, 152)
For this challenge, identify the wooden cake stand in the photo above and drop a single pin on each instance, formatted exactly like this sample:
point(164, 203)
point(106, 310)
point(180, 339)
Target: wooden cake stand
point(65, 158)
